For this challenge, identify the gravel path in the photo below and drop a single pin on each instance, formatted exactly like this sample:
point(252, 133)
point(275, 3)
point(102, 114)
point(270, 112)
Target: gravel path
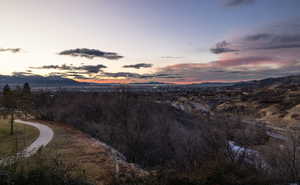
point(46, 135)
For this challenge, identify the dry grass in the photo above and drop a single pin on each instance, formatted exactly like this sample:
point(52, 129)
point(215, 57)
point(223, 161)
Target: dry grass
point(23, 137)
point(78, 148)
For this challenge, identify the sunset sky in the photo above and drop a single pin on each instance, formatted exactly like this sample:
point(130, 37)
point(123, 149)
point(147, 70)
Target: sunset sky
point(179, 41)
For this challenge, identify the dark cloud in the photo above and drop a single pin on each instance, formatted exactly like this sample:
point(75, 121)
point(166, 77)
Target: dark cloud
point(58, 74)
point(71, 68)
point(141, 76)
point(80, 77)
point(13, 50)
point(91, 68)
point(76, 76)
point(22, 73)
point(138, 66)
point(122, 74)
point(91, 53)
point(274, 38)
point(162, 75)
point(273, 41)
point(222, 47)
point(73, 75)
point(282, 46)
point(283, 35)
point(258, 36)
point(238, 2)
point(59, 67)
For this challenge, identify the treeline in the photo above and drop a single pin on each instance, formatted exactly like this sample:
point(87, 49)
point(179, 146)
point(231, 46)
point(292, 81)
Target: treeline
point(13, 101)
point(147, 133)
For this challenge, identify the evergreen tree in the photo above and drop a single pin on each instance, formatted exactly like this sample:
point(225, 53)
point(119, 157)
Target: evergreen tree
point(26, 89)
point(26, 100)
point(9, 103)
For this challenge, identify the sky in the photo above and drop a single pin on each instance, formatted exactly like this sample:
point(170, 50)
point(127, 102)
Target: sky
point(172, 41)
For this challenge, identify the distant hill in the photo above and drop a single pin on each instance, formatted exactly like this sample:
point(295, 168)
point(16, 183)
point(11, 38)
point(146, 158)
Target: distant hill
point(288, 80)
point(150, 83)
point(36, 80)
point(212, 84)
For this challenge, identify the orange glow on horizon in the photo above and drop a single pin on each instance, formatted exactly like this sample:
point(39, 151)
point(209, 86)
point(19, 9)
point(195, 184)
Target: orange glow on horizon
point(104, 81)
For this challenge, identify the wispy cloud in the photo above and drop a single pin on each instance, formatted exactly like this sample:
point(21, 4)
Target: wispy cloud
point(71, 68)
point(285, 35)
point(13, 50)
point(273, 41)
point(140, 76)
point(234, 69)
point(138, 66)
point(222, 47)
point(238, 2)
point(59, 67)
point(272, 51)
point(26, 73)
point(171, 57)
point(91, 53)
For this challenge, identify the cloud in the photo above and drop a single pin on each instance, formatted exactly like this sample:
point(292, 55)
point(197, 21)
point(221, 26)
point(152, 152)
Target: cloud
point(13, 50)
point(280, 36)
point(233, 69)
point(91, 68)
point(140, 76)
point(69, 75)
point(271, 51)
point(171, 57)
point(122, 74)
point(222, 47)
point(22, 73)
point(248, 63)
point(91, 53)
point(71, 68)
point(238, 2)
point(162, 75)
point(59, 67)
point(273, 41)
point(138, 66)
point(258, 36)
point(282, 46)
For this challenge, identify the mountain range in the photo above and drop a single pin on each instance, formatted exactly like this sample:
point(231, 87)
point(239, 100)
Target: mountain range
point(58, 81)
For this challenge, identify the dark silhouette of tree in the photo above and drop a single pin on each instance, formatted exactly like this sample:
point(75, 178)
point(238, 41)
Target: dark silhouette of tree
point(26, 102)
point(9, 103)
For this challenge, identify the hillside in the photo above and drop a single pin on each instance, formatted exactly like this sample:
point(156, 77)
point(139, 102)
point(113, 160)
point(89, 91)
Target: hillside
point(36, 80)
point(275, 101)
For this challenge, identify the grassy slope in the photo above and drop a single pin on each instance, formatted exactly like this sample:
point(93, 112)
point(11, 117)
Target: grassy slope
point(25, 135)
point(79, 149)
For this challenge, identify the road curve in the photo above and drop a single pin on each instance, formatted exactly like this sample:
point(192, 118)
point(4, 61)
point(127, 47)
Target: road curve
point(45, 136)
